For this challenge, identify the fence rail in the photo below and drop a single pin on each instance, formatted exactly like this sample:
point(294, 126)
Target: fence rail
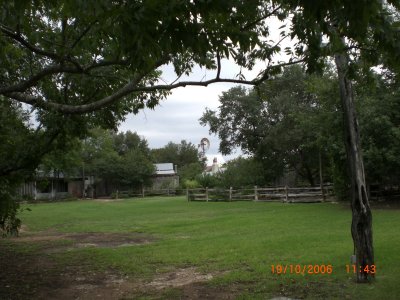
point(149, 192)
point(270, 194)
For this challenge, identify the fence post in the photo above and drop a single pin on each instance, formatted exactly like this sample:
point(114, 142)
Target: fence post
point(286, 194)
point(187, 194)
point(142, 191)
point(255, 193)
point(321, 179)
point(116, 195)
point(230, 194)
point(207, 194)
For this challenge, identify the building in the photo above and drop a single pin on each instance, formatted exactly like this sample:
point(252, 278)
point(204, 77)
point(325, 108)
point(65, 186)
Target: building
point(166, 176)
point(213, 169)
point(51, 186)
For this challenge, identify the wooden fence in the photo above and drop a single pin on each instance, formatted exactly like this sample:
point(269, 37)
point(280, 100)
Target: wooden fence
point(271, 194)
point(149, 192)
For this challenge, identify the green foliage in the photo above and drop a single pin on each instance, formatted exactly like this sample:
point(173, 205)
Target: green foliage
point(282, 123)
point(191, 171)
point(191, 184)
point(243, 172)
point(9, 222)
point(21, 149)
point(207, 180)
point(181, 154)
point(380, 122)
point(122, 160)
point(290, 119)
point(184, 155)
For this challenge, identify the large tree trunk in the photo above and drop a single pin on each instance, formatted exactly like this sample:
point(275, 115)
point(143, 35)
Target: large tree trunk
point(361, 227)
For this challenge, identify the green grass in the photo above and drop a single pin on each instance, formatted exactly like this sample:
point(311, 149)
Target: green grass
point(239, 240)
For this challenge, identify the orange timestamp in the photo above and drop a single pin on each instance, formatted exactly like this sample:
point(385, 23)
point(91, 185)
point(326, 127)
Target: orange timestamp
point(369, 269)
point(301, 269)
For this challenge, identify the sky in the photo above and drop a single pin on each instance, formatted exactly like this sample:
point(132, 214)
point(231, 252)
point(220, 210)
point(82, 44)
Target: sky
point(177, 117)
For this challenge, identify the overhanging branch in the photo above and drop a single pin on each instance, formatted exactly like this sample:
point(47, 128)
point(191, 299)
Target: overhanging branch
point(132, 87)
point(22, 86)
point(58, 69)
point(20, 39)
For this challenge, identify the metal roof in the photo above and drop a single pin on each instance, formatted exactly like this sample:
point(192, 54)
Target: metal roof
point(165, 169)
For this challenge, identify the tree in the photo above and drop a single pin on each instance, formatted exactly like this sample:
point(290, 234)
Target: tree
point(369, 38)
point(243, 172)
point(379, 113)
point(64, 59)
point(282, 123)
point(77, 70)
point(124, 142)
point(179, 154)
point(190, 171)
point(13, 119)
point(59, 58)
point(184, 155)
point(118, 160)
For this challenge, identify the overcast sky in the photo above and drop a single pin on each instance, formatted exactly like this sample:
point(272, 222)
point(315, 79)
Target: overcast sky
point(177, 117)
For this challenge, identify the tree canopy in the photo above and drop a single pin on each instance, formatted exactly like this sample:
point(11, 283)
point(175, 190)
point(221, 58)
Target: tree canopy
point(101, 59)
point(283, 122)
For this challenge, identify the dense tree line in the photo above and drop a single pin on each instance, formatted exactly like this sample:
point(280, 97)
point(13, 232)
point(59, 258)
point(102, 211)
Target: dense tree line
point(121, 161)
point(294, 120)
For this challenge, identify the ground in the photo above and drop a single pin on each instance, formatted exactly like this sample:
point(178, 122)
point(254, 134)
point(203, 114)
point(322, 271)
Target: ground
point(28, 275)
point(166, 248)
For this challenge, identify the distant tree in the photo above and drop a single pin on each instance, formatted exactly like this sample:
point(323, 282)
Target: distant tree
point(121, 167)
point(208, 180)
point(190, 171)
point(184, 155)
point(243, 172)
point(67, 159)
point(127, 141)
point(180, 154)
point(282, 123)
point(379, 115)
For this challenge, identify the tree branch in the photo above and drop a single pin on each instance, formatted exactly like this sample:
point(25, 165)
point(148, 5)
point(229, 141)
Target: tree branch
point(56, 69)
point(262, 18)
point(18, 37)
point(131, 87)
point(82, 34)
point(22, 86)
point(218, 65)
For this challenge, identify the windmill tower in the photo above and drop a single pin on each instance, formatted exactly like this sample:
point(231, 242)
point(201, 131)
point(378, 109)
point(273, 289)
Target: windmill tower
point(204, 146)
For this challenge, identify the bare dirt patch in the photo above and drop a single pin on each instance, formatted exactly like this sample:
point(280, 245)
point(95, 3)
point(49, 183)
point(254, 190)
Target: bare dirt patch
point(81, 240)
point(105, 200)
point(178, 278)
point(34, 274)
point(39, 276)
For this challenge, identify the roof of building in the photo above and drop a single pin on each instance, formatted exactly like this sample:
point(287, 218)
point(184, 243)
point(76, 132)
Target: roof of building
point(49, 174)
point(165, 169)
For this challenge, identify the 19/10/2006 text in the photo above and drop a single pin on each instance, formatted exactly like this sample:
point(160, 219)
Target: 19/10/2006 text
point(301, 269)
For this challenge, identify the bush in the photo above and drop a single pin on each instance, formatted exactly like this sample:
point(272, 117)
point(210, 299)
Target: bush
point(9, 208)
point(191, 184)
point(206, 180)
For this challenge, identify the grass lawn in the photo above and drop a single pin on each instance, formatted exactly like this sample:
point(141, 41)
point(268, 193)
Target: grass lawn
point(235, 242)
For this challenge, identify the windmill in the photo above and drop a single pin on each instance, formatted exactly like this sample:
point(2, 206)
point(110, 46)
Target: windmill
point(204, 146)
